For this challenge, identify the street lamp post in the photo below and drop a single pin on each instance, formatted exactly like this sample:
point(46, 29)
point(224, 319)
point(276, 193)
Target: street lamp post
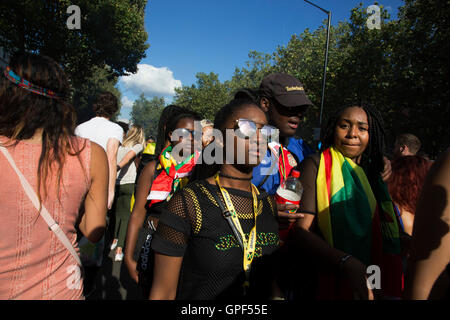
point(325, 64)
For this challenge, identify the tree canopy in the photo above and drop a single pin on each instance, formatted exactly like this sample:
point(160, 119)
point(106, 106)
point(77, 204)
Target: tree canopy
point(110, 42)
point(402, 69)
point(112, 33)
point(146, 113)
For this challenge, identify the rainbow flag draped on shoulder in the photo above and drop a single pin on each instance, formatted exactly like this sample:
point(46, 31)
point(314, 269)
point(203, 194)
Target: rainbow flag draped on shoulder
point(358, 217)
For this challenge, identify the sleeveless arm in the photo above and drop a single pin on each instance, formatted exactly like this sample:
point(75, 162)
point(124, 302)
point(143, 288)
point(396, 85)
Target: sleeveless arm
point(93, 222)
point(111, 152)
point(138, 216)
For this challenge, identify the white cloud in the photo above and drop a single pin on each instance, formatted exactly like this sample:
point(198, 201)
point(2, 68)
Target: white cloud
point(151, 81)
point(127, 103)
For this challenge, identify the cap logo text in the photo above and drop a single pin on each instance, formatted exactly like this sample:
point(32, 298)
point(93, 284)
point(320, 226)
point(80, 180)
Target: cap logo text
point(294, 89)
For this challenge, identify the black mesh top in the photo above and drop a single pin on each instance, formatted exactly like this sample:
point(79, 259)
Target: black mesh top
point(192, 226)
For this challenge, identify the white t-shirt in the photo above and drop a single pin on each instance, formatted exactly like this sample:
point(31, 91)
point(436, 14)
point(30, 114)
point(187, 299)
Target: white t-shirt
point(99, 130)
point(128, 173)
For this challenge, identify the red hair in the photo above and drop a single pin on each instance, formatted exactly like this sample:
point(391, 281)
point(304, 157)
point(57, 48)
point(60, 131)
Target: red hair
point(405, 183)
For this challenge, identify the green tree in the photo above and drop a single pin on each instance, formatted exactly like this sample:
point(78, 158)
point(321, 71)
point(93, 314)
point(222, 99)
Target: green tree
point(250, 76)
point(112, 33)
point(420, 89)
point(303, 58)
point(84, 95)
point(205, 97)
point(146, 113)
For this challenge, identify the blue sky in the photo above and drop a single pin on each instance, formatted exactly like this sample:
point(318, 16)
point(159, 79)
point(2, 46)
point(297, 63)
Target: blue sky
point(187, 37)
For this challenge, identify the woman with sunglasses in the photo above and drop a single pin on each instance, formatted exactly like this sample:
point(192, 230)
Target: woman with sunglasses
point(349, 223)
point(216, 236)
point(160, 179)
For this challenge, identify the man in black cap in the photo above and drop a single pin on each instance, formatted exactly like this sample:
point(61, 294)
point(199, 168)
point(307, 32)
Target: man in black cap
point(284, 100)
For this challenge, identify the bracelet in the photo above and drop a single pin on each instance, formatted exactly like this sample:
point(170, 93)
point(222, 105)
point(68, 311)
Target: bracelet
point(342, 261)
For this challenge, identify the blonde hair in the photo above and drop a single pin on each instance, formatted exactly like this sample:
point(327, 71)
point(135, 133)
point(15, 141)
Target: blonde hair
point(134, 136)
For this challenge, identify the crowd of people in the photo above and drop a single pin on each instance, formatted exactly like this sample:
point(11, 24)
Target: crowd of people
point(371, 224)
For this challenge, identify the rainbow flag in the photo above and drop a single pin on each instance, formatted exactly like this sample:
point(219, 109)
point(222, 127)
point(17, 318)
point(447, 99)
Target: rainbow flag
point(358, 217)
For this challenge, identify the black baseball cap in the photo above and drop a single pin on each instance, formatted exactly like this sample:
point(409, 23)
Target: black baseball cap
point(285, 89)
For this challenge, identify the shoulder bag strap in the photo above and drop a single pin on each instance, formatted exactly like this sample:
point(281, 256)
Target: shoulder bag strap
point(53, 226)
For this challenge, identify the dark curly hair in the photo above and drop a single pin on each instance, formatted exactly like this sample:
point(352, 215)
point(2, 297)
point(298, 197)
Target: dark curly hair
point(23, 113)
point(105, 105)
point(372, 158)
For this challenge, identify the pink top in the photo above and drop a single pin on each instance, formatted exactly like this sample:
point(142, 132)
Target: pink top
point(34, 264)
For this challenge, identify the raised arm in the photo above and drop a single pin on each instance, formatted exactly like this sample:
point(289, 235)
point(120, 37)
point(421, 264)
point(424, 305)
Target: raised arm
point(137, 216)
point(430, 247)
point(93, 221)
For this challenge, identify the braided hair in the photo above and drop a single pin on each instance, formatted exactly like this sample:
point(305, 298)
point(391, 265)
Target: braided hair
point(167, 113)
point(372, 157)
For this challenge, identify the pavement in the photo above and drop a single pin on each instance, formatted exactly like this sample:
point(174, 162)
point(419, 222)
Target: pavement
point(113, 281)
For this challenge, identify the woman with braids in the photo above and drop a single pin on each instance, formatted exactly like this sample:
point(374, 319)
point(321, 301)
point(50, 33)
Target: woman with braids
point(160, 179)
point(215, 237)
point(349, 221)
point(37, 137)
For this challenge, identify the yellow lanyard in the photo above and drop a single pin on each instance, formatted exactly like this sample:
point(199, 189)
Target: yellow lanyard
point(250, 245)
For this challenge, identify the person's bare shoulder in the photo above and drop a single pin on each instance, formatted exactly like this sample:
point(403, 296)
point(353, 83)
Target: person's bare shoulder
point(97, 151)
